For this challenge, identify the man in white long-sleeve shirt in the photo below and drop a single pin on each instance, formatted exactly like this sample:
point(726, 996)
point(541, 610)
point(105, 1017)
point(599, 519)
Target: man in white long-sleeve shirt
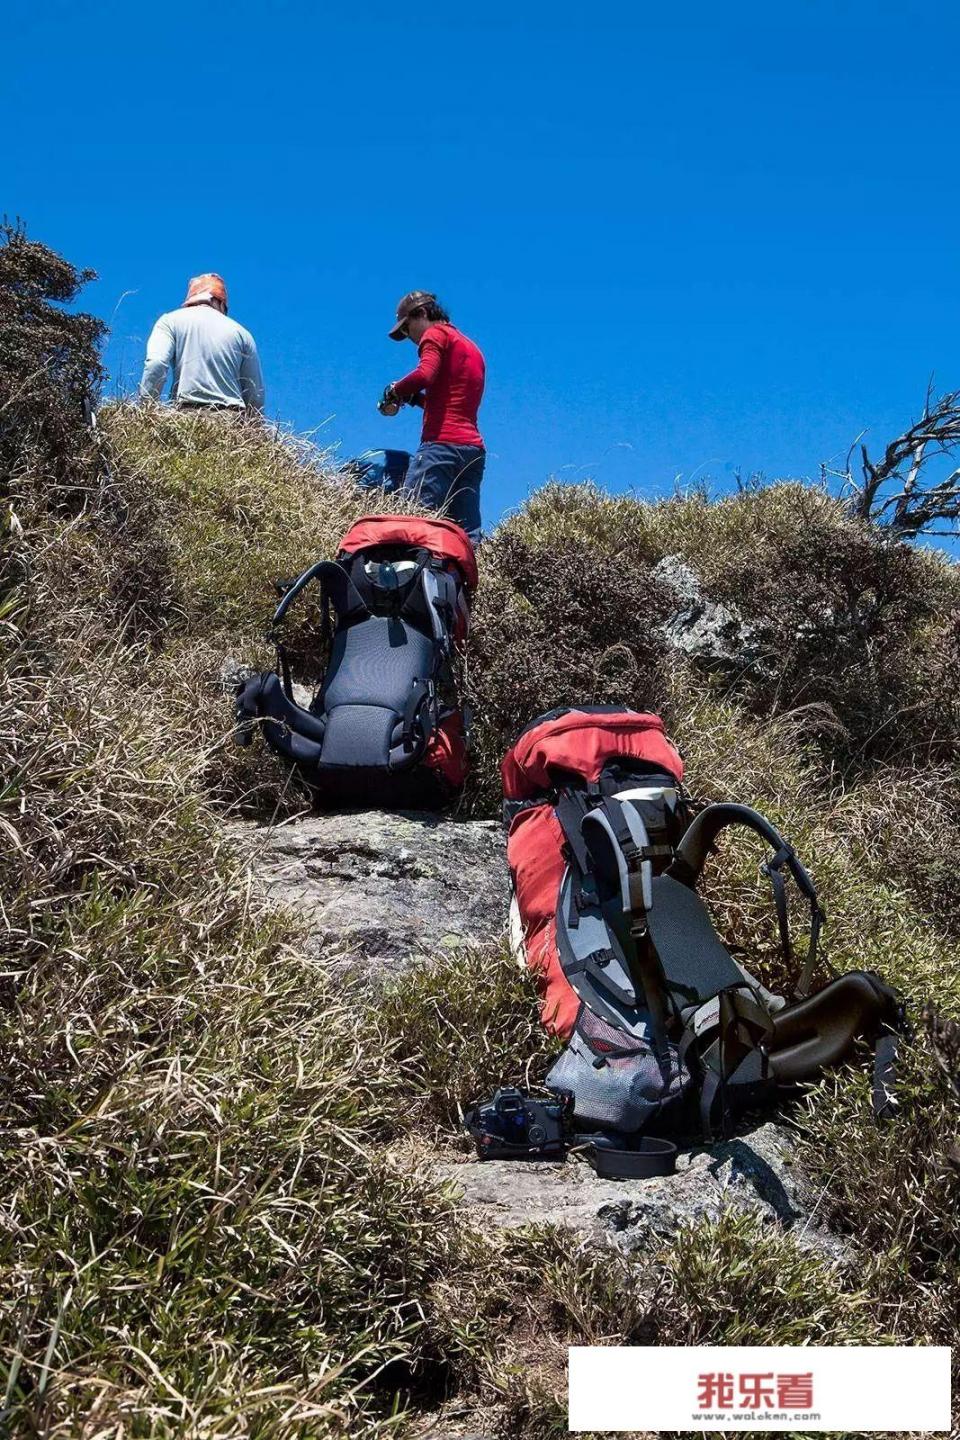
point(214, 360)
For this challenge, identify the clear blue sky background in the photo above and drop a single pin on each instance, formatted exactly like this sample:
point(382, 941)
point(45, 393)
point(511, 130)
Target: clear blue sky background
point(693, 242)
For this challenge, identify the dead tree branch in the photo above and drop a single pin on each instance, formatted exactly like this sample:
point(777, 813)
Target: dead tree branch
point(891, 491)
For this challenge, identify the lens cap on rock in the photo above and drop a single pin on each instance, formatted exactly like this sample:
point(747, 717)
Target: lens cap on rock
point(649, 1158)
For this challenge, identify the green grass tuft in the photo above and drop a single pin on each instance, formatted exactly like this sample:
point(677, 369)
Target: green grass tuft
point(460, 1027)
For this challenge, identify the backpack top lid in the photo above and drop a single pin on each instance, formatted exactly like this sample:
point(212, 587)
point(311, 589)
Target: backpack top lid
point(580, 742)
point(443, 538)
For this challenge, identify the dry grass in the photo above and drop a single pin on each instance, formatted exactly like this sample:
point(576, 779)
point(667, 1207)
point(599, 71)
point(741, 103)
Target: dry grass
point(731, 1281)
point(460, 1027)
point(196, 1234)
point(240, 505)
point(199, 1235)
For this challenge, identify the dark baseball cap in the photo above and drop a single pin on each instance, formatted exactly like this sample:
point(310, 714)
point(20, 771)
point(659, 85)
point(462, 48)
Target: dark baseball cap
point(414, 301)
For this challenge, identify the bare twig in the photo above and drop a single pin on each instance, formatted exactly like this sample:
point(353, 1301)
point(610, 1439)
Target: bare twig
point(891, 492)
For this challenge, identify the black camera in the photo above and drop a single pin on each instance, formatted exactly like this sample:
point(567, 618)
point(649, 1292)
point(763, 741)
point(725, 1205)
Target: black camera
point(513, 1126)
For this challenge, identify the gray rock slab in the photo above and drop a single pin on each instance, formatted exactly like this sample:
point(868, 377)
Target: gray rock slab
point(750, 1173)
point(378, 889)
point(440, 1427)
point(713, 635)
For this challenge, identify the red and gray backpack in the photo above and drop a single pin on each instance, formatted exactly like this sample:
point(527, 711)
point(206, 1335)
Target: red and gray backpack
point(386, 726)
point(663, 1025)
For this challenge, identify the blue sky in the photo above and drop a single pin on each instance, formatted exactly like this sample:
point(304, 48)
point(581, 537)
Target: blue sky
point(719, 238)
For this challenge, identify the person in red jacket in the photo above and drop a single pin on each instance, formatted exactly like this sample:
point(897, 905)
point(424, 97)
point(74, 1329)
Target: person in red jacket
point(448, 382)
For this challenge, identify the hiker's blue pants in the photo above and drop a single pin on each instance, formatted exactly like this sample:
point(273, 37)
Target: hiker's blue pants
point(447, 478)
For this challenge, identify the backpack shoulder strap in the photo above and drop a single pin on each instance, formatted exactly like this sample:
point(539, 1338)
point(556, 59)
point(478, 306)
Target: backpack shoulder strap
point(696, 844)
point(446, 604)
point(624, 826)
point(336, 586)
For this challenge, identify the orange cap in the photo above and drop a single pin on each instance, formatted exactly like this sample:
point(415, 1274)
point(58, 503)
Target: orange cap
point(204, 288)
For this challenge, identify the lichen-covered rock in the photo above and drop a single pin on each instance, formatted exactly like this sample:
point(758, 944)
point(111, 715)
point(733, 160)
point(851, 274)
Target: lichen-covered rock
point(713, 635)
point(752, 1172)
point(378, 889)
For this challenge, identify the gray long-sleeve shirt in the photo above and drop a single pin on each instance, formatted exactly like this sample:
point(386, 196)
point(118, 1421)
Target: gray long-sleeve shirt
point(214, 360)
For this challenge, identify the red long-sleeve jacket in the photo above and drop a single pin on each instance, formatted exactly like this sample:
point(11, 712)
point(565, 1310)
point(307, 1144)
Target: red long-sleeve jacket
point(451, 372)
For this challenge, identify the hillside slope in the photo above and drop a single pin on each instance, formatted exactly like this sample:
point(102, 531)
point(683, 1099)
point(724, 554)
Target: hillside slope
point(216, 1217)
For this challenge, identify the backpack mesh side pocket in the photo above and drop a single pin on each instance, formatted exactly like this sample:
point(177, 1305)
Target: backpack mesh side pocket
point(618, 1080)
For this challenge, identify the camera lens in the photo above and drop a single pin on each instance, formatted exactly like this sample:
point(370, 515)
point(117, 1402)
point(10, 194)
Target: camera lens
point(536, 1135)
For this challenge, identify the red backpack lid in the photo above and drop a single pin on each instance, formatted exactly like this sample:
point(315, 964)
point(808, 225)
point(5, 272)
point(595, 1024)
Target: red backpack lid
point(581, 742)
point(443, 538)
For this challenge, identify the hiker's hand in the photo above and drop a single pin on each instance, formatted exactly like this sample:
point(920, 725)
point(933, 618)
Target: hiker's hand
point(390, 402)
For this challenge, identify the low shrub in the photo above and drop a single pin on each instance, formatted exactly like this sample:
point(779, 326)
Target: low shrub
point(855, 636)
point(50, 367)
point(556, 624)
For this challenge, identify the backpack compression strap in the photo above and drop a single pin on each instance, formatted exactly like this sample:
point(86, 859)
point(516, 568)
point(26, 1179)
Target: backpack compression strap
point(586, 818)
point(570, 809)
point(696, 844)
point(445, 604)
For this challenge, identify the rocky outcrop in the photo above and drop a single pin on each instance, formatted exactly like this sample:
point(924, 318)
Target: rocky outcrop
point(753, 1173)
point(378, 890)
point(713, 635)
